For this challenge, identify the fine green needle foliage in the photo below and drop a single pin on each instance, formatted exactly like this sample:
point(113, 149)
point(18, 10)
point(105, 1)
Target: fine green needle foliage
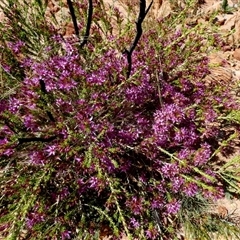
point(225, 5)
point(113, 131)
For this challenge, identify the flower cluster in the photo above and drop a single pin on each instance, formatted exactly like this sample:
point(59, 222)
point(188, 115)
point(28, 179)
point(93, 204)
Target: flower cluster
point(108, 145)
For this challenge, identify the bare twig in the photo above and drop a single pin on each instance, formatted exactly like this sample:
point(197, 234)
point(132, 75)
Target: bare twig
point(43, 86)
point(89, 21)
point(44, 91)
point(74, 19)
point(141, 17)
point(36, 139)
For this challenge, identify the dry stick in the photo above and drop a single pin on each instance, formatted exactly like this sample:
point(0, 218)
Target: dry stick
point(74, 19)
point(44, 91)
point(36, 139)
point(141, 17)
point(89, 21)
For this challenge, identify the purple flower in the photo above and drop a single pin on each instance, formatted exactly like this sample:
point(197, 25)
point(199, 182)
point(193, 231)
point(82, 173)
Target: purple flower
point(190, 189)
point(202, 155)
point(14, 105)
point(6, 131)
point(66, 235)
point(34, 218)
point(135, 224)
point(152, 233)
point(135, 204)
point(30, 223)
point(173, 207)
point(185, 153)
point(214, 194)
point(30, 123)
point(177, 183)
point(157, 202)
point(16, 46)
point(37, 158)
point(170, 114)
point(51, 150)
point(8, 152)
point(169, 170)
point(181, 135)
point(3, 141)
point(210, 115)
point(94, 183)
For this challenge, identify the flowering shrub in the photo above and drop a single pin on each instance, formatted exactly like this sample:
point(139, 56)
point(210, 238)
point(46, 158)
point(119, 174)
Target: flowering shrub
point(83, 144)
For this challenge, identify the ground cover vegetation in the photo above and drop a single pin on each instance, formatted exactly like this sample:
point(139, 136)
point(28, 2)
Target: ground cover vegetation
point(114, 126)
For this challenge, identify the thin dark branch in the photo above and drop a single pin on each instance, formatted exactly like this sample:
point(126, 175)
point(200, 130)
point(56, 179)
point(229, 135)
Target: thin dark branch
point(44, 91)
point(43, 86)
point(36, 139)
point(50, 116)
point(74, 19)
point(89, 22)
point(141, 16)
point(150, 5)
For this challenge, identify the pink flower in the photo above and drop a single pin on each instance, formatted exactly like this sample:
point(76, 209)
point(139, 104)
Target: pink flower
point(173, 207)
point(51, 150)
point(134, 223)
point(3, 141)
point(16, 46)
point(66, 235)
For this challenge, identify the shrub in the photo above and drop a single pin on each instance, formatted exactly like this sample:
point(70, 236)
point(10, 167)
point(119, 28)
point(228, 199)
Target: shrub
point(85, 142)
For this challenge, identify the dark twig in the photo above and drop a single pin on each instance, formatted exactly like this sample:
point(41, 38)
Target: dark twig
point(44, 91)
point(43, 86)
point(50, 116)
point(141, 17)
point(36, 139)
point(74, 19)
point(89, 21)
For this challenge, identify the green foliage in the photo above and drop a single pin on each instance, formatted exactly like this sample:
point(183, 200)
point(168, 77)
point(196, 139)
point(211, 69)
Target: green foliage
point(226, 8)
point(225, 5)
